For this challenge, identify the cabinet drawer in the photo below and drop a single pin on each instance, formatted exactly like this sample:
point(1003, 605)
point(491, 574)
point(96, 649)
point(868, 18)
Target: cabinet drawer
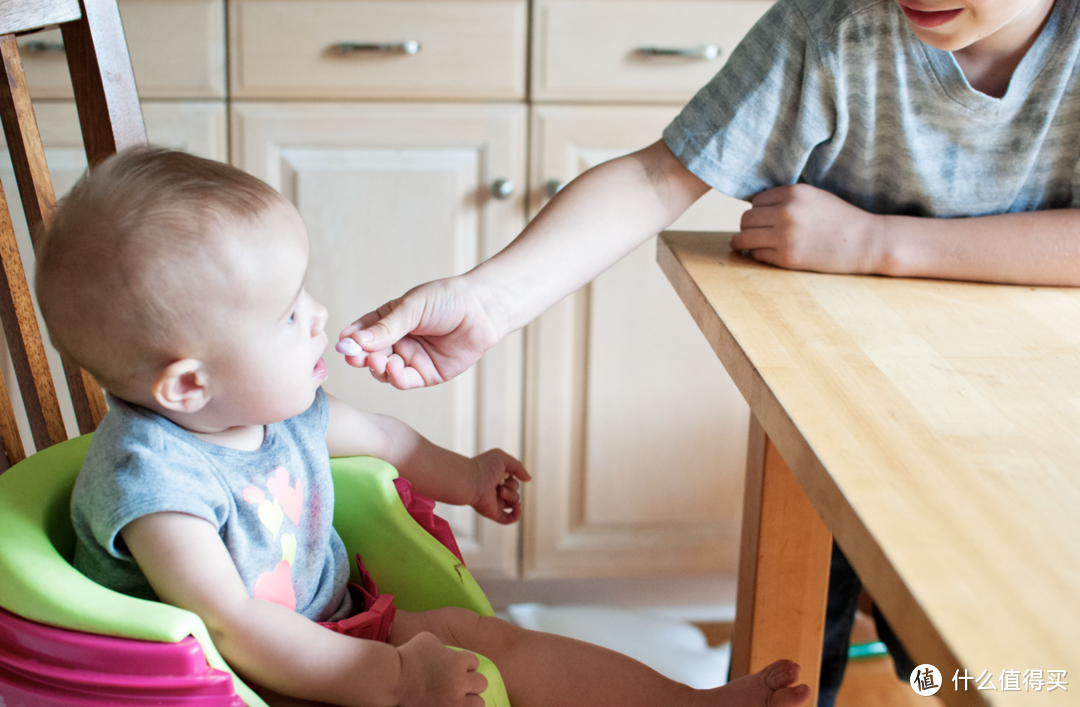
point(326, 48)
point(620, 50)
point(177, 51)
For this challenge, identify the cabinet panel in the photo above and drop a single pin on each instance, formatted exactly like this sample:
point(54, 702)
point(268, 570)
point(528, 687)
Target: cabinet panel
point(636, 437)
point(197, 127)
point(463, 48)
point(177, 51)
point(394, 195)
point(653, 51)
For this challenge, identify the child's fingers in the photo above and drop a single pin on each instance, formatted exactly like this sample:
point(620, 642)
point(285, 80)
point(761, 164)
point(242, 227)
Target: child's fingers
point(509, 495)
point(509, 513)
point(516, 468)
point(754, 238)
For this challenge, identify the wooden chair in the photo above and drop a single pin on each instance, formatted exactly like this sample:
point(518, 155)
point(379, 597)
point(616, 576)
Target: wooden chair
point(111, 119)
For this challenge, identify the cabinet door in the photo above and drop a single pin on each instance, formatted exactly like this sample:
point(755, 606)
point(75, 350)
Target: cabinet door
point(197, 127)
point(634, 433)
point(394, 195)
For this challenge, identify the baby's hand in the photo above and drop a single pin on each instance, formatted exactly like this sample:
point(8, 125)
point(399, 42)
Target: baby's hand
point(497, 475)
point(433, 675)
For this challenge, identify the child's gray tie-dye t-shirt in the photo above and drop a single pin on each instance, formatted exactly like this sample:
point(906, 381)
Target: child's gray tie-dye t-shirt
point(273, 507)
point(842, 95)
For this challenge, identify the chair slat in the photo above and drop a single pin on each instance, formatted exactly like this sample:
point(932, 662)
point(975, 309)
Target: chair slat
point(24, 340)
point(23, 16)
point(24, 140)
point(9, 431)
point(104, 82)
point(39, 202)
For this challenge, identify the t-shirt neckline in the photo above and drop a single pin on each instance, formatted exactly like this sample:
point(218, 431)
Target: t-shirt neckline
point(953, 82)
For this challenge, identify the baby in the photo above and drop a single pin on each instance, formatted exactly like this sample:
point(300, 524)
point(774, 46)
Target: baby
point(178, 282)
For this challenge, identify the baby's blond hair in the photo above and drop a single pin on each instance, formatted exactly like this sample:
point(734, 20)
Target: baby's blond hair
point(133, 251)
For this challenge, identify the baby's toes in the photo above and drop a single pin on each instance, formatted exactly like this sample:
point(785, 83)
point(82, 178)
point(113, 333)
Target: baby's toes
point(781, 673)
point(789, 696)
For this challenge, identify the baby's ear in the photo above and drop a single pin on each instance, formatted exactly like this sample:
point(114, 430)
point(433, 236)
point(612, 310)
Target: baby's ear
point(181, 386)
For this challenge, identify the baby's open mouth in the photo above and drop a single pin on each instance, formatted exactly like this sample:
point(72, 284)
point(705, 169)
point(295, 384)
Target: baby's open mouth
point(319, 372)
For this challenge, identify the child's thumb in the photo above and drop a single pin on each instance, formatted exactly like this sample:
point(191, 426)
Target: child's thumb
point(381, 333)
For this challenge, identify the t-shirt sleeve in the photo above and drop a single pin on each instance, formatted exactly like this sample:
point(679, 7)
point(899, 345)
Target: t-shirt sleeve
point(755, 124)
point(143, 474)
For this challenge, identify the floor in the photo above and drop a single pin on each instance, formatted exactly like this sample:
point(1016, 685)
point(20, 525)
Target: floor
point(869, 682)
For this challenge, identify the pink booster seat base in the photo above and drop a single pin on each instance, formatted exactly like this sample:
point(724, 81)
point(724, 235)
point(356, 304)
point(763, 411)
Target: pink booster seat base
point(43, 666)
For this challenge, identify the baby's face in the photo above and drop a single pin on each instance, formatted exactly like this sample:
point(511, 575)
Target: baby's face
point(952, 25)
point(268, 364)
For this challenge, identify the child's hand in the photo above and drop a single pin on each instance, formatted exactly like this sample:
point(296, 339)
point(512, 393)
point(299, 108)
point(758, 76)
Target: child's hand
point(431, 334)
point(801, 227)
point(433, 675)
point(497, 475)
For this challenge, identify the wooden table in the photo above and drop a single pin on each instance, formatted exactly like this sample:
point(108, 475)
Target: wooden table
point(933, 428)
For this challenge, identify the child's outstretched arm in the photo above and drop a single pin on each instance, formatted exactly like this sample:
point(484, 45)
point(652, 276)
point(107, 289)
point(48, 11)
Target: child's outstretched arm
point(487, 482)
point(805, 228)
point(440, 329)
point(188, 566)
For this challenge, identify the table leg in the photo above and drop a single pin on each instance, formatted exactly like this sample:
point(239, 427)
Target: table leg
point(783, 569)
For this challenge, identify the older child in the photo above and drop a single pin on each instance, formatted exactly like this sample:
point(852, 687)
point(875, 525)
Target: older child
point(179, 284)
point(918, 138)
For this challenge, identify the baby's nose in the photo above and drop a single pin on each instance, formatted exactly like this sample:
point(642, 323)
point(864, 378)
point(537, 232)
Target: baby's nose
point(318, 322)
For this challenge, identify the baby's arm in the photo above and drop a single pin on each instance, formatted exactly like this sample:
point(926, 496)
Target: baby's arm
point(487, 482)
point(805, 228)
point(188, 566)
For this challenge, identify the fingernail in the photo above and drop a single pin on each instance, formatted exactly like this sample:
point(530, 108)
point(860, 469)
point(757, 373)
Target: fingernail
point(348, 347)
point(365, 335)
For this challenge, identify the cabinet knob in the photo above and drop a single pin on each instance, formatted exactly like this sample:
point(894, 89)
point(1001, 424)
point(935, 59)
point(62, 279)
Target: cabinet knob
point(346, 48)
point(553, 187)
point(502, 188)
point(707, 52)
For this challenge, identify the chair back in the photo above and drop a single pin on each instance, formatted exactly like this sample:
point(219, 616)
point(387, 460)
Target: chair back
point(110, 119)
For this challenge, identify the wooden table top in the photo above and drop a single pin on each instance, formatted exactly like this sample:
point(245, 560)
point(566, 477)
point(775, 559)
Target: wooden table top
point(935, 426)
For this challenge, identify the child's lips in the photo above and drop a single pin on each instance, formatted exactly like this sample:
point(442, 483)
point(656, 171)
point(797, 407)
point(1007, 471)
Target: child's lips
point(319, 372)
point(929, 19)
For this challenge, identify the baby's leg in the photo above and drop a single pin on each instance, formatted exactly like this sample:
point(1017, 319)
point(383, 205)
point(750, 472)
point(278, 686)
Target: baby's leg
point(545, 670)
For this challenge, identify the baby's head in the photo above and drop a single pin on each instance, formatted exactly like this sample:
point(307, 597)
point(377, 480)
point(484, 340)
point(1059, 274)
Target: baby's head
point(177, 282)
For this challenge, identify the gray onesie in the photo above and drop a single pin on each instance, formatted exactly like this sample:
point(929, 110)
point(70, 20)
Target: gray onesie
point(273, 507)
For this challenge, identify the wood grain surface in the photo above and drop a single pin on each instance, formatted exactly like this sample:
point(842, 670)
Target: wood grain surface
point(935, 427)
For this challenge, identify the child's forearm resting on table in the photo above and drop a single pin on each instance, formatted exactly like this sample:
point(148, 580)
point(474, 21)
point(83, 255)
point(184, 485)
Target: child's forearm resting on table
point(1032, 248)
point(806, 228)
point(188, 566)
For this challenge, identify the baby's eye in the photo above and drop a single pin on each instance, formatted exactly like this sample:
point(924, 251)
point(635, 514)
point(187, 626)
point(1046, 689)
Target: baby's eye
point(292, 317)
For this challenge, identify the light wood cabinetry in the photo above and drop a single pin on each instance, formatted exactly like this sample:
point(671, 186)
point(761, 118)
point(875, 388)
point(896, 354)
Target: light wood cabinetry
point(416, 49)
point(633, 51)
point(389, 123)
point(177, 51)
point(638, 443)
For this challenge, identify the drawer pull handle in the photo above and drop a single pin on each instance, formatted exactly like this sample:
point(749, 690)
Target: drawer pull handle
point(40, 47)
point(553, 187)
point(502, 189)
point(707, 52)
point(346, 48)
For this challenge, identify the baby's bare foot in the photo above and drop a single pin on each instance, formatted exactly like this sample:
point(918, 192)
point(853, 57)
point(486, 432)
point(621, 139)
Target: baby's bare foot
point(772, 687)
